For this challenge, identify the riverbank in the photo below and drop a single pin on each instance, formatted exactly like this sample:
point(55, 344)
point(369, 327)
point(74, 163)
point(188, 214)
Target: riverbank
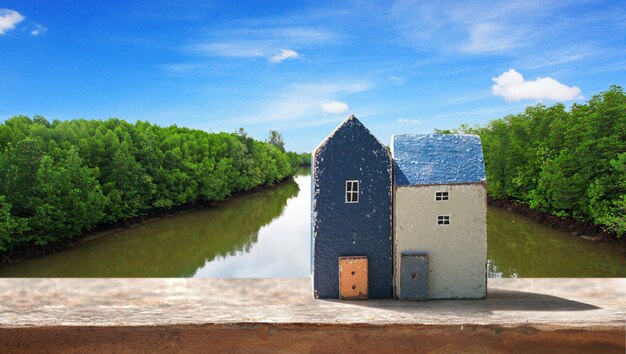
point(584, 230)
point(18, 255)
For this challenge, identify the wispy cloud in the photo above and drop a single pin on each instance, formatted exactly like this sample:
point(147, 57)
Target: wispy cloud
point(274, 44)
point(504, 28)
point(470, 27)
point(409, 121)
point(334, 107)
point(235, 49)
point(512, 86)
point(557, 58)
point(187, 69)
point(284, 55)
point(304, 103)
point(490, 37)
point(9, 19)
point(396, 80)
point(39, 29)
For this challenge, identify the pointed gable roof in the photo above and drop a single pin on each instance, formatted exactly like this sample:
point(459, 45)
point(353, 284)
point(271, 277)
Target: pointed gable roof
point(349, 123)
point(421, 159)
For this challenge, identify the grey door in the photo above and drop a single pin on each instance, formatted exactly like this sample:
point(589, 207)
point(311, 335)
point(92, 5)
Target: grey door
point(414, 276)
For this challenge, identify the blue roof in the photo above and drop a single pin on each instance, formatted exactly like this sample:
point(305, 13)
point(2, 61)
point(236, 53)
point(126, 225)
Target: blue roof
point(421, 159)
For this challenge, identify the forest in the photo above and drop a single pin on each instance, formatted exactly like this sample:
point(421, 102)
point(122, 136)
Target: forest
point(61, 179)
point(571, 163)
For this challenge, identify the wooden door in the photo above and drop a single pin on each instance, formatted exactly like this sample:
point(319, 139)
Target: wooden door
point(353, 277)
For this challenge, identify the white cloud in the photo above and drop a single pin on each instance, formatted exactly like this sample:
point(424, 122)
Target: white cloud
point(396, 80)
point(347, 88)
point(512, 86)
point(409, 121)
point(8, 20)
point(487, 27)
point(490, 37)
point(334, 107)
point(188, 69)
point(301, 104)
point(284, 55)
point(39, 29)
point(235, 49)
point(259, 42)
point(245, 49)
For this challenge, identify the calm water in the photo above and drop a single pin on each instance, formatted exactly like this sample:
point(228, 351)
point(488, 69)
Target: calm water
point(266, 234)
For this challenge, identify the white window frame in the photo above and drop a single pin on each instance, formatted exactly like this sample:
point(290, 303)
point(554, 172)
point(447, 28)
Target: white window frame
point(442, 218)
point(441, 196)
point(352, 191)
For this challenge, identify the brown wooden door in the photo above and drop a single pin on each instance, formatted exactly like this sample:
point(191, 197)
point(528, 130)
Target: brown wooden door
point(353, 277)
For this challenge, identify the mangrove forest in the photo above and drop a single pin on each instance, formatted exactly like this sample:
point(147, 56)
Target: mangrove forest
point(570, 163)
point(61, 179)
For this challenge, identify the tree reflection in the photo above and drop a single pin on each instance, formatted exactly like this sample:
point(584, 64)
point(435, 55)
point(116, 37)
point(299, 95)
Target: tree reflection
point(172, 247)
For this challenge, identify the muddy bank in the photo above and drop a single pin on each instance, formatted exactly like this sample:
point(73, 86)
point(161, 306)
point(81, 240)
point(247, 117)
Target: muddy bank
point(22, 253)
point(585, 230)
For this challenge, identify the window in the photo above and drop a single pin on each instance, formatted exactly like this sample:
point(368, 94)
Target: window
point(443, 219)
point(442, 195)
point(352, 191)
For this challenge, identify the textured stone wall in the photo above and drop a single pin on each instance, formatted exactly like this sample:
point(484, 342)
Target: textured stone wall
point(339, 229)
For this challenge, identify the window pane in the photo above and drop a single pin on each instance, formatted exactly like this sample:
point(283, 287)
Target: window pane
point(352, 191)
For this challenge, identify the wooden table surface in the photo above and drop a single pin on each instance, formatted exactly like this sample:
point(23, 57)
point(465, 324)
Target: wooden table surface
point(586, 313)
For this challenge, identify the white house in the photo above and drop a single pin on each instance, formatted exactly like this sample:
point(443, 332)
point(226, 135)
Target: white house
point(440, 217)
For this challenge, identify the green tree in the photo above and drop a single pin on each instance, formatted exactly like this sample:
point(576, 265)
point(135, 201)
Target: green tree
point(11, 228)
point(59, 179)
point(71, 200)
point(276, 139)
point(570, 164)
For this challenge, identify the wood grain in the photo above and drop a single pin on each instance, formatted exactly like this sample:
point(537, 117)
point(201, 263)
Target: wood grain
point(268, 315)
point(291, 338)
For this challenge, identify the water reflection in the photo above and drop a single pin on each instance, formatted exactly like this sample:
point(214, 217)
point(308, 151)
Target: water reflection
point(520, 247)
point(267, 234)
point(282, 247)
point(228, 240)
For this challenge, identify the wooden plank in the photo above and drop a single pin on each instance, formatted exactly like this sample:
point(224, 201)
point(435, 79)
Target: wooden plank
point(543, 304)
point(353, 278)
point(296, 338)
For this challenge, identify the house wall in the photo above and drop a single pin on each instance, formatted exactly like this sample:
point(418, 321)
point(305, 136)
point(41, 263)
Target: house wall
point(351, 229)
point(457, 252)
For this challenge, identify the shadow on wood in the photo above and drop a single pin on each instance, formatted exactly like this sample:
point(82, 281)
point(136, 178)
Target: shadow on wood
point(499, 300)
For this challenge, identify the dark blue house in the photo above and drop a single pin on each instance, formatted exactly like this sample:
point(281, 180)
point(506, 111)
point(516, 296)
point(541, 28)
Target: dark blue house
point(352, 220)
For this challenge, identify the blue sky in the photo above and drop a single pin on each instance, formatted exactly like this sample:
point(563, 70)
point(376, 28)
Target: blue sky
point(301, 68)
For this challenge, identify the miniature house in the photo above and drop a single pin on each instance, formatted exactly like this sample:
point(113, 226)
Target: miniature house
point(440, 217)
point(421, 235)
point(352, 254)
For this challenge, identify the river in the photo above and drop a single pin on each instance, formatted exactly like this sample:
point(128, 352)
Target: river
point(267, 234)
